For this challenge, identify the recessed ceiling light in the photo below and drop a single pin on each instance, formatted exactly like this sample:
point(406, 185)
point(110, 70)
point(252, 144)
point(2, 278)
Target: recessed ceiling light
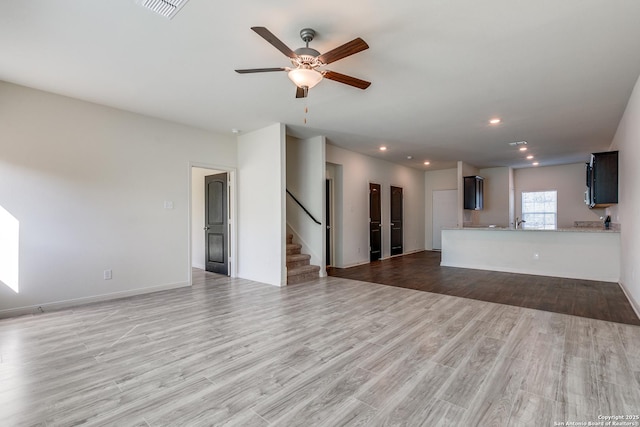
point(427, 163)
point(529, 157)
point(409, 157)
point(235, 131)
point(535, 163)
point(523, 148)
point(494, 121)
point(383, 148)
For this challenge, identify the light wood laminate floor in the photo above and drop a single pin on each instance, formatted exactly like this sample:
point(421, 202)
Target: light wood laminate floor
point(331, 352)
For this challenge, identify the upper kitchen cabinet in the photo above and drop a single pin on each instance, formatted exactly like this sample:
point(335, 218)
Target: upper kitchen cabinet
point(473, 192)
point(602, 180)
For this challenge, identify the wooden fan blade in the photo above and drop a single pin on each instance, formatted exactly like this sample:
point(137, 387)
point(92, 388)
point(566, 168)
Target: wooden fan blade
point(260, 70)
point(348, 80)
point(268, 36)
point(347, 49)
point(302, 92)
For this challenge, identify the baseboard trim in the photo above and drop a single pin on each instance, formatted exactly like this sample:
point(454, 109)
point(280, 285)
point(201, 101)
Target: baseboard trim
point(59, 305)
point(634, 305)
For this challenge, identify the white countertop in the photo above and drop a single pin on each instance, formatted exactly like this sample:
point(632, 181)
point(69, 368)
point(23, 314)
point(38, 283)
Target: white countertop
point(529, 230)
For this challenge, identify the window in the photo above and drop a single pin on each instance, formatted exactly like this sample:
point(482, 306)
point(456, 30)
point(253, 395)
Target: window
point(540, 209)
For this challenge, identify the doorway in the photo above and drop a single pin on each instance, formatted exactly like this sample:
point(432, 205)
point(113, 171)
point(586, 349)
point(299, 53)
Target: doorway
point(396, 221)
point(213, 248)
point(445, 214)
point(375, 222)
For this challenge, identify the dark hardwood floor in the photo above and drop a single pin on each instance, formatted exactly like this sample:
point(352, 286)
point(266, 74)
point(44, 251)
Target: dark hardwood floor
point(422, 271)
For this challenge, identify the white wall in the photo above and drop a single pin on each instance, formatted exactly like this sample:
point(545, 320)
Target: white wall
point(495, 197)
point(87, 184)
point(627, 212)
point(198, 257)
point(568, 181)
point(306, 181)
point(446, 179)
point(261, 205)
point(358, 171)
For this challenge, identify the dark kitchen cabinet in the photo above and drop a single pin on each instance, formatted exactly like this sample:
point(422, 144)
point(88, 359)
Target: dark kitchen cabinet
point(602, 180)
point(473, 192)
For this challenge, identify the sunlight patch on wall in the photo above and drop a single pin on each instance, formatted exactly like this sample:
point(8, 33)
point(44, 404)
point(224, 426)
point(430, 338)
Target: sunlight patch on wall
point(9, 249)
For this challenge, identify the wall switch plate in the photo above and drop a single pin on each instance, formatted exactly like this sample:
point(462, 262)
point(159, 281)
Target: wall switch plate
point(168, 204)
point(107, 275)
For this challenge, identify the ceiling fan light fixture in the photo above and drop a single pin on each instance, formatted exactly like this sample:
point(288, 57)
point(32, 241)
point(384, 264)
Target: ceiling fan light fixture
point(305, 77)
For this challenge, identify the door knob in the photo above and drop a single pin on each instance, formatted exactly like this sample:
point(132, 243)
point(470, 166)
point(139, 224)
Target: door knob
point(206, 228)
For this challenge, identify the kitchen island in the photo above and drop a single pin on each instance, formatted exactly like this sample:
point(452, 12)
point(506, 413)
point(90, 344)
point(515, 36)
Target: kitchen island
point(576, 253)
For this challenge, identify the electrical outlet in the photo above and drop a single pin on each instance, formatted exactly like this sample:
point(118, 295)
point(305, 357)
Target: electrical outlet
point(107, 274)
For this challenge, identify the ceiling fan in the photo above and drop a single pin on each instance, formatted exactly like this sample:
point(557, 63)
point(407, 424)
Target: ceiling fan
point(306, 72)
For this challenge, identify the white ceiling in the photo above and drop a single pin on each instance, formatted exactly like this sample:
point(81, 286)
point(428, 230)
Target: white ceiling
point(558, 73)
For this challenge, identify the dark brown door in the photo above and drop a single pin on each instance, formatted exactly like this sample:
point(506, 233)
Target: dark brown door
point(375, 222)
point(216, 229)
point(396, 220)
point(327, 217)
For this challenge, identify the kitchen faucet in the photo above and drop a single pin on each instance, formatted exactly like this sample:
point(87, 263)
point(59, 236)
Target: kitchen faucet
point(519, 222)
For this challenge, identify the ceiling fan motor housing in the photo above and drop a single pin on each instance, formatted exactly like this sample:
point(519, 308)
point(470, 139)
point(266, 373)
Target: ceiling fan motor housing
point(306, 58)
point(306, 51)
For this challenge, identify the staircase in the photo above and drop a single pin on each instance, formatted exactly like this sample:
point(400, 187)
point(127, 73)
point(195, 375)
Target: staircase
point(298, 268)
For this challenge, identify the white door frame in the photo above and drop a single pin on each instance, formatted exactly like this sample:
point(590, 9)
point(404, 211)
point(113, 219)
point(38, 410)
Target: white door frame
point(233, 216)
point(331, 219)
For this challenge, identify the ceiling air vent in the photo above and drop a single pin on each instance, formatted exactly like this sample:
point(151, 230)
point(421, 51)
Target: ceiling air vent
point(166, 8)
point(518, 143)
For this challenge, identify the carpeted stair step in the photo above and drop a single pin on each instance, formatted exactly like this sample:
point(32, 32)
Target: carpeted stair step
point(302, 274)
point(297, 260)
point(293, 249)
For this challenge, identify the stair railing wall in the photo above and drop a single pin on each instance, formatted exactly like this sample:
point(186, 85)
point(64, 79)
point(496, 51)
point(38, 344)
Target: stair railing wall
point(303, 208)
